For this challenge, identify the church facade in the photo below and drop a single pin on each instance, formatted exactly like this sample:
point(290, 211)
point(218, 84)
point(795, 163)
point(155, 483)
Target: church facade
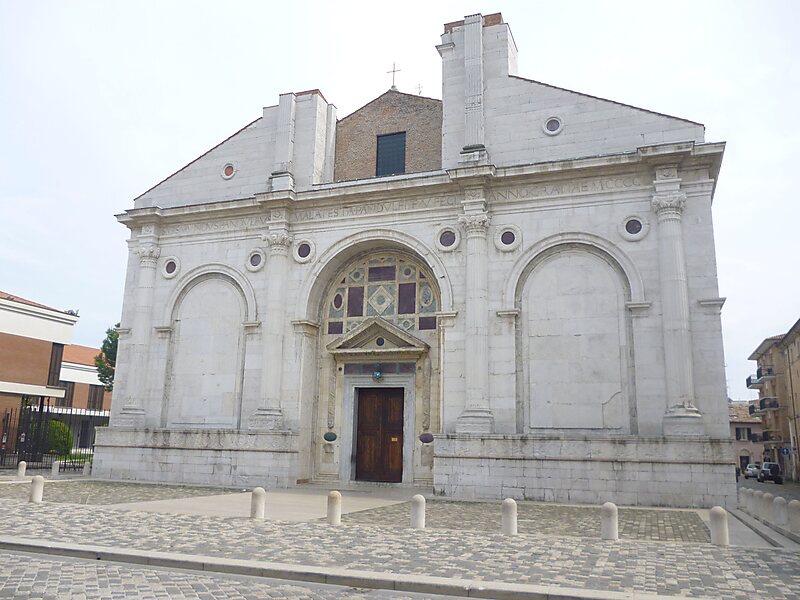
point(510, 292)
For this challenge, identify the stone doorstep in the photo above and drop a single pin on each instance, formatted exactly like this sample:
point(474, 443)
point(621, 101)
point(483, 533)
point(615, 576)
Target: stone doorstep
point(423, 584)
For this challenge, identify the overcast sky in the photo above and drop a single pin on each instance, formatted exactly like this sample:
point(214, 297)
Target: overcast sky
point(100, 100)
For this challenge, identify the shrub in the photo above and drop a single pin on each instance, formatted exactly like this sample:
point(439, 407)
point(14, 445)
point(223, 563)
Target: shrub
point(59, 438)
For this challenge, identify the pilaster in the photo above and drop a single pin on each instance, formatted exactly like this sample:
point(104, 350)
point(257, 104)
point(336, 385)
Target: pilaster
point(474, 150)
point(269, 416)
point(282, 176)
point(682, 416)
point(477, 414)
point(148, 251)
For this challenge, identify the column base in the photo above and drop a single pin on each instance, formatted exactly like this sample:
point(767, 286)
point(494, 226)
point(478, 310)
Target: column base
point(475, 420)
point(683, 420)
point(473, 155)
point(130, 416)
point(266, 419)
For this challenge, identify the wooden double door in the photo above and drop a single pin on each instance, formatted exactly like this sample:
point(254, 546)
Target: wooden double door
point(379, 435)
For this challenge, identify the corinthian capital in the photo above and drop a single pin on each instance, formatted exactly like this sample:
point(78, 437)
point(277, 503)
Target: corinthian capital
point(279, 242)
point(669, 204)
point(475, 224)
point(148, 254)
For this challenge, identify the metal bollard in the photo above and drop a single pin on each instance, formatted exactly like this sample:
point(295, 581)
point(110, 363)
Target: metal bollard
point(21, 468)
point(719, 526)
point(609, 522)
point(766, 508)
point(258, 503)
point(794, 516)
point(780, 512)
point(418, 511)
point(334, 508)
point(509, 517)
point(37, 489)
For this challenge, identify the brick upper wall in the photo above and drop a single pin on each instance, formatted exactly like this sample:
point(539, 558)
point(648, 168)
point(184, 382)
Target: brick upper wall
point(393, 112)
point(24, 360)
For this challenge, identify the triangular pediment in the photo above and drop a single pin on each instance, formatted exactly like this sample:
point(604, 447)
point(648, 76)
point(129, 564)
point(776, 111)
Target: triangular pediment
point(375, 336)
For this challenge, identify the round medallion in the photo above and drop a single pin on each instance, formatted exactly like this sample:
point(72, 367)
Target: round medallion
point(426, 438)
point(228, 171)
point(329, 436)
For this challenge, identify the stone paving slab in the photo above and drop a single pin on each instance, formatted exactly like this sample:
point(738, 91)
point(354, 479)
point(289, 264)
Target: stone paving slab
point(555, 519)
point(35, 577)
point(95, 492)
point(670, 568)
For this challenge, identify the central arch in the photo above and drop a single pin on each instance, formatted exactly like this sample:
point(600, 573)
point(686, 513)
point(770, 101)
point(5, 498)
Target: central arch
point(339, 254)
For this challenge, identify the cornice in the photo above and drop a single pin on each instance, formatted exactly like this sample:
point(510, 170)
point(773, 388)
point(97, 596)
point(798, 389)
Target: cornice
point(686, 154)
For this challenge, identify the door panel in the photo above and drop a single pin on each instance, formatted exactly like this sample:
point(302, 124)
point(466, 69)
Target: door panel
point(379, 441)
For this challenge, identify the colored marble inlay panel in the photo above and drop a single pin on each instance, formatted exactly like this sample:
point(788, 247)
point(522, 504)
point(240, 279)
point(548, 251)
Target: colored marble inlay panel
point(355, 301)
point(427, 323)
point(407, 299)
point(381, 274)
point(335, 327)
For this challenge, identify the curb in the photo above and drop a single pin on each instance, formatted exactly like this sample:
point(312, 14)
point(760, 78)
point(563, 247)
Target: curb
point(423, 584)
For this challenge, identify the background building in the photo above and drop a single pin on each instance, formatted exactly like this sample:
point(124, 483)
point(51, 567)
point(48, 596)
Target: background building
point(508, 292)
point(41, 373)
point(778, 404)
point(746, 432)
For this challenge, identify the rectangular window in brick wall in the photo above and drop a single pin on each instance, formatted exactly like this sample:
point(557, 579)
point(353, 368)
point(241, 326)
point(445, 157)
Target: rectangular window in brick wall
point(95, 397)
point(69, 386)
point(391, 154)
point(54, 374)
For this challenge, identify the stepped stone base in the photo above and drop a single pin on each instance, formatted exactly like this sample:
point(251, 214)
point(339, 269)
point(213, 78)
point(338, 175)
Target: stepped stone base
point(678, 472)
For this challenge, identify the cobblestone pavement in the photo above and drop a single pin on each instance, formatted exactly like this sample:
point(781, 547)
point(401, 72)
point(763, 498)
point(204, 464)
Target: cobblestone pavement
point(38, 577)
point(556, 519)
point(108, 492)
point(692, 569)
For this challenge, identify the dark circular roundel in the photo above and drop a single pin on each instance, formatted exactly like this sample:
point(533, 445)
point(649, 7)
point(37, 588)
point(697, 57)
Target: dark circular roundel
point(426, 438)
point(633, 226)
point(447, 239)
point(329, 436)
point(508, 238)
point(170, 267)
point(229, 170)
point(255, 259)
point(303, 250)
point(380, 341)
point(553, 124)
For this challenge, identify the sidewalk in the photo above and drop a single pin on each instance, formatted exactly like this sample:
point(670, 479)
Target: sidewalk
point(390, 552)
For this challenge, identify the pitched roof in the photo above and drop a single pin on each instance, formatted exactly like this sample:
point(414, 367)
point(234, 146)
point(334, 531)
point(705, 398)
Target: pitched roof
point(12, 298)
point(82, 355)
point(386, 93)
point(739, 412)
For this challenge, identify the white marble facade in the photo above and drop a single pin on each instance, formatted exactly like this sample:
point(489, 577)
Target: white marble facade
point(575, 352)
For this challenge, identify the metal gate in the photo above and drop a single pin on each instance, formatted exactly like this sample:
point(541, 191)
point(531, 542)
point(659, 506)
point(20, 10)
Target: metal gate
point(40, 433)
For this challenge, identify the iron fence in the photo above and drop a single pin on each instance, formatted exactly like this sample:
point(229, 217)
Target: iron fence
point(40, 433)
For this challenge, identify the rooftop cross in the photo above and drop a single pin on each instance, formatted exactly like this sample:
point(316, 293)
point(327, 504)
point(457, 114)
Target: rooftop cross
point(393, 71)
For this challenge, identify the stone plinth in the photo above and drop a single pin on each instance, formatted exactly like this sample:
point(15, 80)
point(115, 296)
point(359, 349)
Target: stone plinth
point(626, 470)
point(204, 456)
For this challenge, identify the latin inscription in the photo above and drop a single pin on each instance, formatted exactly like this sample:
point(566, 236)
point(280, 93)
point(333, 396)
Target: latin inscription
point(579, 186)
point(216, 226)
point(374, 208)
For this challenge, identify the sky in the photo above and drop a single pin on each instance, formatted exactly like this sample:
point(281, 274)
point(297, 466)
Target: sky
point(101, 100)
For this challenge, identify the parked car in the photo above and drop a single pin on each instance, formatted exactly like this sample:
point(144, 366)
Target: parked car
point(751, 470)
point(770, 472)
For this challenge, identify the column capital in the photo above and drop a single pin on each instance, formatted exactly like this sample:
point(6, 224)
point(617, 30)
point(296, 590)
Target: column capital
point(669, 204)
point(475, 225)
point(279, 242)
point(148, 255)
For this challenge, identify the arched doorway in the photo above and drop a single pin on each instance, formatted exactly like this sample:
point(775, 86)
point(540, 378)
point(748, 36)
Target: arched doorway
point(379, 368)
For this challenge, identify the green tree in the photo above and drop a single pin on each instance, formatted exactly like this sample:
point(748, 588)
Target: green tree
point(59, 438)
point(106, 361)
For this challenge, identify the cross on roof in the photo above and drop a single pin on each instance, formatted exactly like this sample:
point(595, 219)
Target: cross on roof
point(393, 71)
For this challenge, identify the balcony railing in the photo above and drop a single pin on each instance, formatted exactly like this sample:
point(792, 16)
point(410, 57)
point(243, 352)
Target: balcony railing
point(771, 436)
point(764, 373)
point(755, 437)
point(753, 382)
point(768, 403)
